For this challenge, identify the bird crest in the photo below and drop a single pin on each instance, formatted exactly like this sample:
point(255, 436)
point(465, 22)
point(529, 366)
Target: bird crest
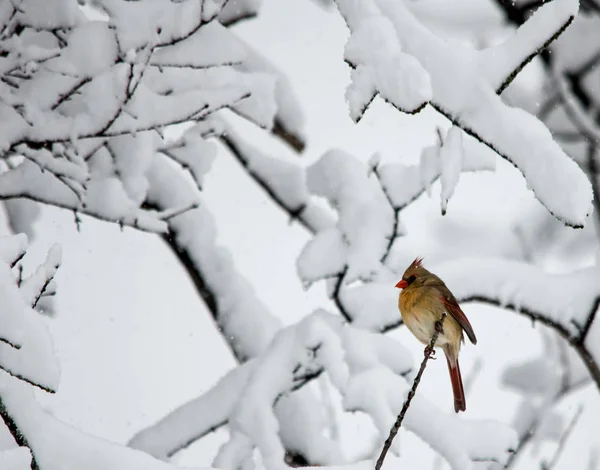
point(417, 262)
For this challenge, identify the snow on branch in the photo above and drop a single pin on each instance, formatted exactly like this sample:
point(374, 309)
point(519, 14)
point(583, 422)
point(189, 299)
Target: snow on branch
point(451, 79)
point(366, 368)
point(365, 224)
point(242, 319)
point(26, 350)
point(55, 445)
point(283, 181)
point(34, 286)
point(544, 382)
point(85, 106)
point(210, 411)
point(520, 287)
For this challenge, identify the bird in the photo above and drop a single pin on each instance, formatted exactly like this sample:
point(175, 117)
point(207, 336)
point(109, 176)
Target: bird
point(423, 300)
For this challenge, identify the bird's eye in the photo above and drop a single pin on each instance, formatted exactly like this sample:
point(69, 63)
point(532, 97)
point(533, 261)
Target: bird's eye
point(411, 279)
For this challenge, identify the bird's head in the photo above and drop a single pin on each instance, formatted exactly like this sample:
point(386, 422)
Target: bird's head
point(414, 275)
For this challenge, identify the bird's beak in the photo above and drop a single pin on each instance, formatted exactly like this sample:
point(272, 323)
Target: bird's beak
point(402, 284)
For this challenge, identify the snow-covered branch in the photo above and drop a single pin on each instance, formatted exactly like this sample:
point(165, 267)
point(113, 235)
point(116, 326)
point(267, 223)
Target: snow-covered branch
point(283, 181)
point(87, 106)
point(513, 285)
point(26, 350)
point(462, 85)
point(210, 411)
point(241, 318)
point(35, 285)
point(55, 445)
point(366, 368)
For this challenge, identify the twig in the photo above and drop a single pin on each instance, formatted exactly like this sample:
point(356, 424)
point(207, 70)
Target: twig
point(562, 441)
point(336, 295)
point(429, 351)
point(16, 433)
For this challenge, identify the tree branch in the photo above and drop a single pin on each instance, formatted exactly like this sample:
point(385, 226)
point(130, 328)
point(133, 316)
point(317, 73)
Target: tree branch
point(562, 441)
point(17, 435)
point(429, 351)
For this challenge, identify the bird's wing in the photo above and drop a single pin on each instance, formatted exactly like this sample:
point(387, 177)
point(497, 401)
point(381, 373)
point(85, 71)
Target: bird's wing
point(454, 309)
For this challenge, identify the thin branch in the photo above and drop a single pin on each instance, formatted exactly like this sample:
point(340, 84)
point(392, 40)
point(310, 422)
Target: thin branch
point(337, 292)
point(294, 212)
point(394, 234)
point(531, 56)
point(562, 441)
point(574, 341)
point(429, 351)
point(16, 433)
point(294, 141)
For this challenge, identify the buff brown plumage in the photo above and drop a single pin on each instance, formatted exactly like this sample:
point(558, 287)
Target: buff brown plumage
point(423, 300)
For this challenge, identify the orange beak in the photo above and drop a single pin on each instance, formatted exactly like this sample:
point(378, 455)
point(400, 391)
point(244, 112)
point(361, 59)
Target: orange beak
point(402, 284)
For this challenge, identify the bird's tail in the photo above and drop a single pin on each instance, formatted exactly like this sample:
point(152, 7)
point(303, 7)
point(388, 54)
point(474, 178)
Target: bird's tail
point(460, 403)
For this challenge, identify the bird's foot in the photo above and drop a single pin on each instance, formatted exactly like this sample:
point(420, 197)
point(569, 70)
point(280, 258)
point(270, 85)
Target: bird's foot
point(430, 354)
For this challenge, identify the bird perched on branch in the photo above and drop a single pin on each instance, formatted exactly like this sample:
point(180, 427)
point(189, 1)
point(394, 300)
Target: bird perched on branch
point(423, 300)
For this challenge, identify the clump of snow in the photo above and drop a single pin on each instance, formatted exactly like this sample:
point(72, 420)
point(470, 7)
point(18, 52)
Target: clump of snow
point(91, 49)
point(372, 306)
point(26, 349)
point(382, 68)
point(323, 256)
point(15, 459)
point(451, 159)
point(365, 220)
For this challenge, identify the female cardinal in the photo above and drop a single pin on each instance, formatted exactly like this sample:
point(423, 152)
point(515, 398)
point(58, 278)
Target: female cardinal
point(423, 300)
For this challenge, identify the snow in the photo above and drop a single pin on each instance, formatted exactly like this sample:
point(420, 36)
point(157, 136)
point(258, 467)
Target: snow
point(289, 112)
point(193, 153)
point(497, 63)
point(91, 49)
point(210, 46)
point(32, 287)
point(372, 306)
point(15, 459)
point(235, 9)
point(57, 446)
point(382, 68)
point(12, 248)
point(467, 96)
point(283, 178)
point(26, 350)
point(526, 287)
point(241, 316)
point(323, 256)
point(381, 394)
point(405, 183)
point(209, 411)
point(365, 368)
point(365, 220)
point(451, 158)
point(52, 15)
point(534, 377)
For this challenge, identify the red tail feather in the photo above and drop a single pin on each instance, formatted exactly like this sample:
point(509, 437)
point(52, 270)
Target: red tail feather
point(460, 403)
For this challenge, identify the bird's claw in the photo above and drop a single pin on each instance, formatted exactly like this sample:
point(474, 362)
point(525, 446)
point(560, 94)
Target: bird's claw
point(430, 354)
